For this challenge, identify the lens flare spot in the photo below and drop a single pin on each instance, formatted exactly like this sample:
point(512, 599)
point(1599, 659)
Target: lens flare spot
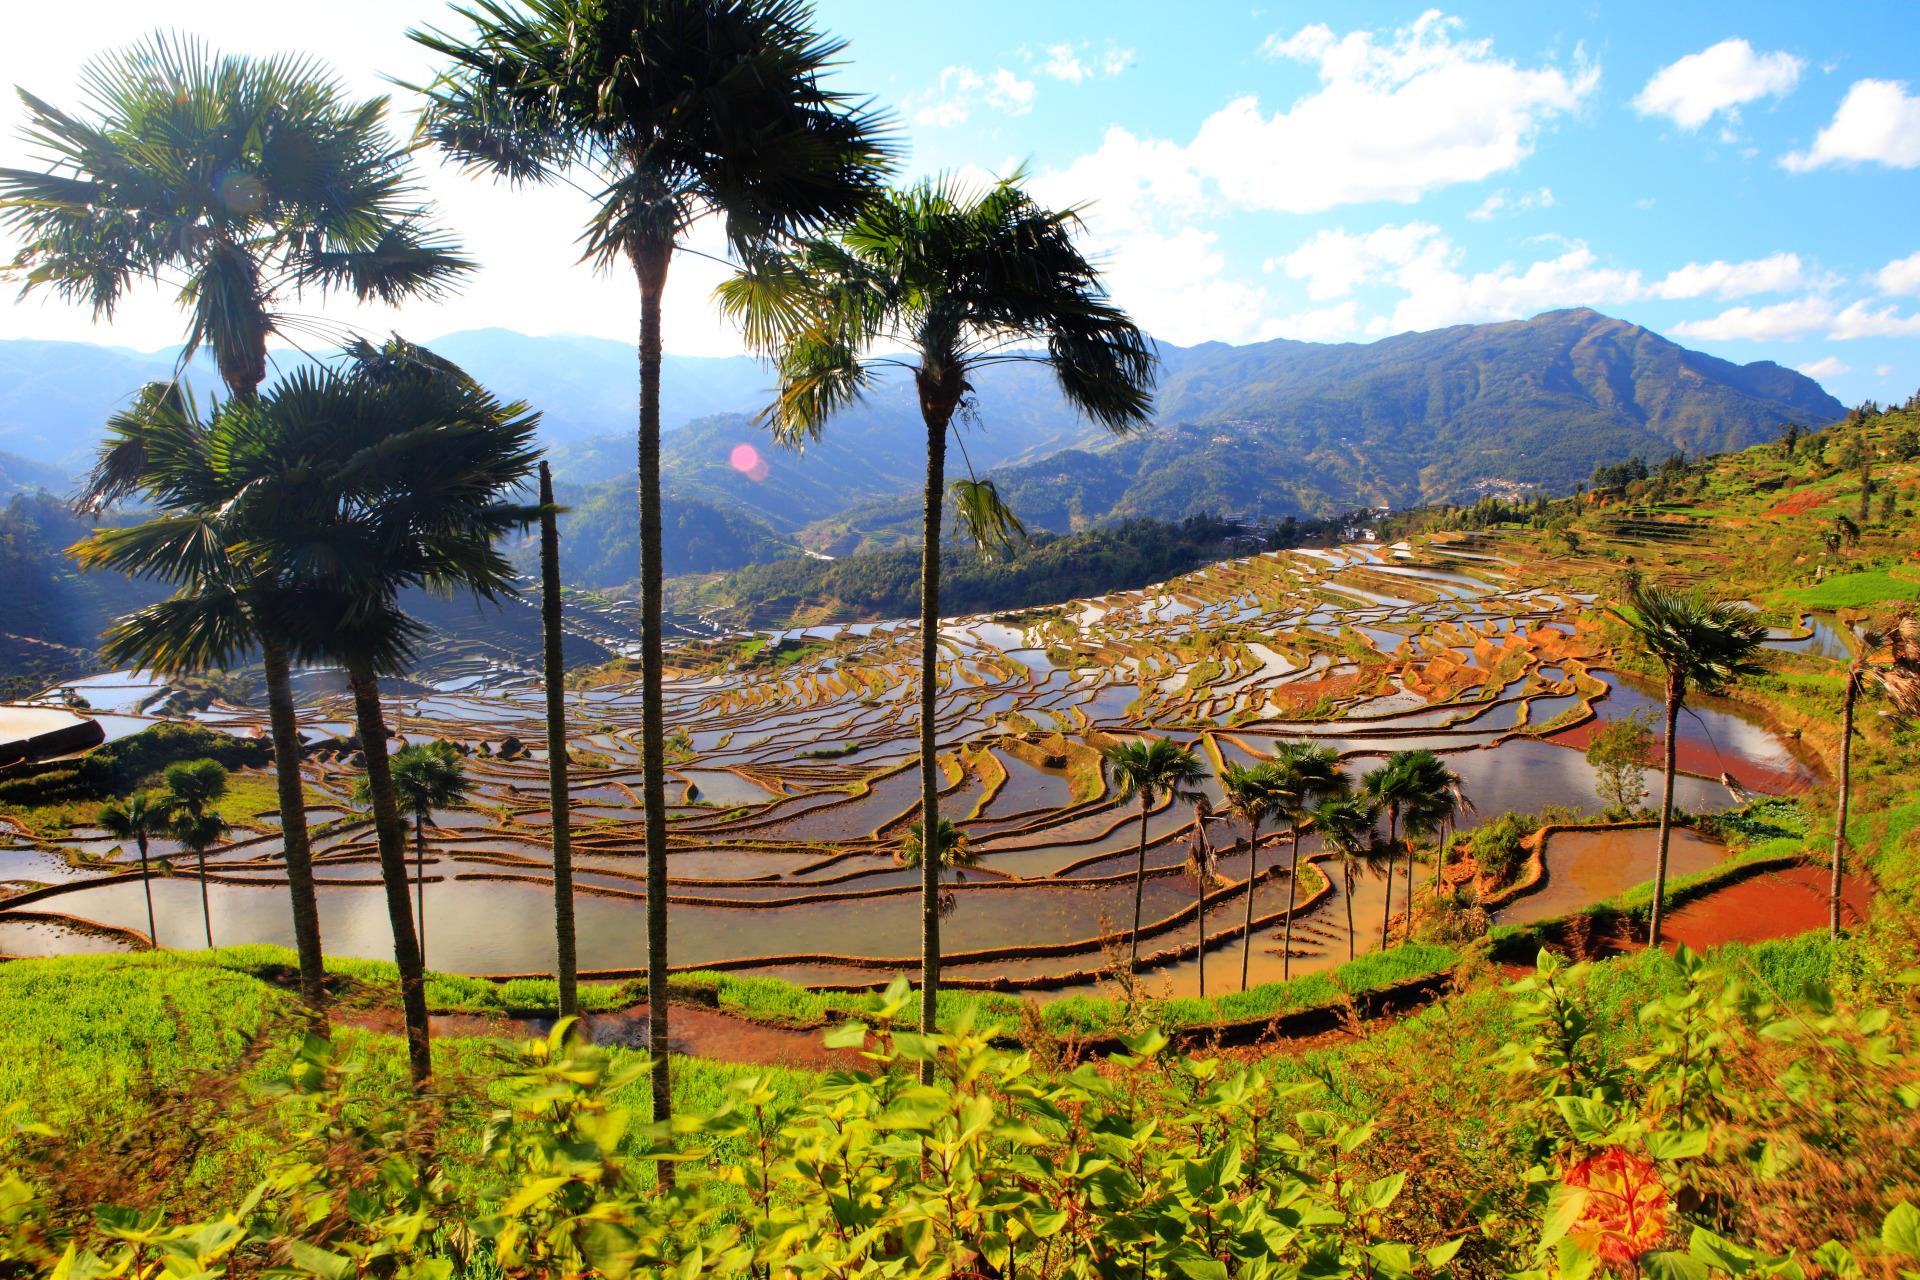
point(747, 461)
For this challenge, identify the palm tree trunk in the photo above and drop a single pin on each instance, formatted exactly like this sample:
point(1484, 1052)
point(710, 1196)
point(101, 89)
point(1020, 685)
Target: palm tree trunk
point(1671, 755)
point(1386, 911)
point(1200, 952)
point(1846, 790)
point(146, 882)
point(1293, 897)
point(650, 262)
point(557, 797)
point(1246, 930)
point(391, 836)
point(936, 412)
point(1139, 887)
point(1346, 872)
point(420, 882)
point(295, 846)
point(1407, 934)
point(206, 907)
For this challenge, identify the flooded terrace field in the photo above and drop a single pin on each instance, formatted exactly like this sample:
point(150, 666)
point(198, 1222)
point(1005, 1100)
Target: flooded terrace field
point(793, 784)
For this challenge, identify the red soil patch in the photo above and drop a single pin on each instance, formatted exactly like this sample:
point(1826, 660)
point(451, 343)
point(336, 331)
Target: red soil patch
point(1700, 759)
point(1799, 504)
point(1774, 904)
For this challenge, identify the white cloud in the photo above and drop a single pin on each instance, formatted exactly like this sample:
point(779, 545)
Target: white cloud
point(1862, 320)
point(1877, 121)
point(1826, 367)
point(1114, 61)
point(1721, 78)
point(1394, 117)
point(1439, 294)
point(1177, 287)
point(1064, 64)
point(1333, 262)
point(1775, 274)
point(1499, 200)
point(1902, 275)
point(959, 90)
point(1323, 324)
point(1883, 370)
point(1780, 322)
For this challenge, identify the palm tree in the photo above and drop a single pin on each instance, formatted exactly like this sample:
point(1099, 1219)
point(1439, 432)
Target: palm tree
point(943, 282)
point(427, 777)
point(1389, 787)
point(1703, 646)
point(669, 111)
point(567, 968)
point(163, 449)
point(1201, 864)
point(1149, 768)
point(1303, 773)
point(1900, 680)
point(249, 184)
point(192, 788)
point(1345, 821)
point(956, 852)
point(1253, 794)
point(140, 819)
point(1434, 794)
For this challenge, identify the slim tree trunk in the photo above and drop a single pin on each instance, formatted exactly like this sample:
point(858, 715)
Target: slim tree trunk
point(1246, 930)
point(1386, 910)
point(295, 846)
point(391, 836)
point(1346, 873)
point(936, 407)
point(1200, 953)
point(650, 264)
point(420, 882)
point(1139, 887)
point(1293, 898)
point(557, 795)
point(1846, 790)
point(1674, 696)
point(146, 882)
point(206, 907)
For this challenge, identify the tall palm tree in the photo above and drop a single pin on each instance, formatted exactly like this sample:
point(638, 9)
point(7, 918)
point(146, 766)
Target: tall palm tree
point(193, 787)
point(427, 777)
point(1253, 794)
point(250, 184)
point(1703, 646)
point(1390, 787)
point(1149, 768)
point(1201, 864)
point(1303, 773)
point(142, 817)
point(162, 448)
point(1345, 821)
point(1899, 679)
point(1435, 793)
point(561, 828)
point(667, 111)
point(956, 853)
point(943, 282)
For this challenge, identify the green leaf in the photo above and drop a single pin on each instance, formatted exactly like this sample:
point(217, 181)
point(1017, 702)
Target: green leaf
point(848, 1035)
point(1665, 1264)
point(1900, 1232)
point(1384, 1191)
point(531, 1193)
point(1588, 1119)
point(321, 1262)
point(1682, 1144)
point(1395, 1258)
point(1441, 1254)
point(1195, 1265)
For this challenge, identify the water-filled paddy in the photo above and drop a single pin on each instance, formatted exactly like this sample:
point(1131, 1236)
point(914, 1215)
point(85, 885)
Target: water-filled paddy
point(786, 808)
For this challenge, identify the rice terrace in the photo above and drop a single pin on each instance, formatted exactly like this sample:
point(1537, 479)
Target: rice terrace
point(793, 782)
point(818, 640)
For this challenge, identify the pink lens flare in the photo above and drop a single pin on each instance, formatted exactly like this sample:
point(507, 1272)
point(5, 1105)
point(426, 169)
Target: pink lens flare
point(747, 461)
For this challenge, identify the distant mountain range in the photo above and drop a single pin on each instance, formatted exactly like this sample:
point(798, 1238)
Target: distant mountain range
point(1264, 430)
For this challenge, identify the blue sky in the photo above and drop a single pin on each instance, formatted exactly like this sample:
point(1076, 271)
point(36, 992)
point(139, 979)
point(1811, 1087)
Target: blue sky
point(1739, 178)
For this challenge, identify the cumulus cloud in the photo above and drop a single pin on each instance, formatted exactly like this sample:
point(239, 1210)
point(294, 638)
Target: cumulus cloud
point(1864, 320)
point(1777, 273)
point(1826, 367)
point(1395, 116)
point(1063, 62)
point(1177, 286)
point(1335, 261)
point(1877, 122)
point(960, 90)
point(1722, 78)
point(1902, 275)
point(1780, 322)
